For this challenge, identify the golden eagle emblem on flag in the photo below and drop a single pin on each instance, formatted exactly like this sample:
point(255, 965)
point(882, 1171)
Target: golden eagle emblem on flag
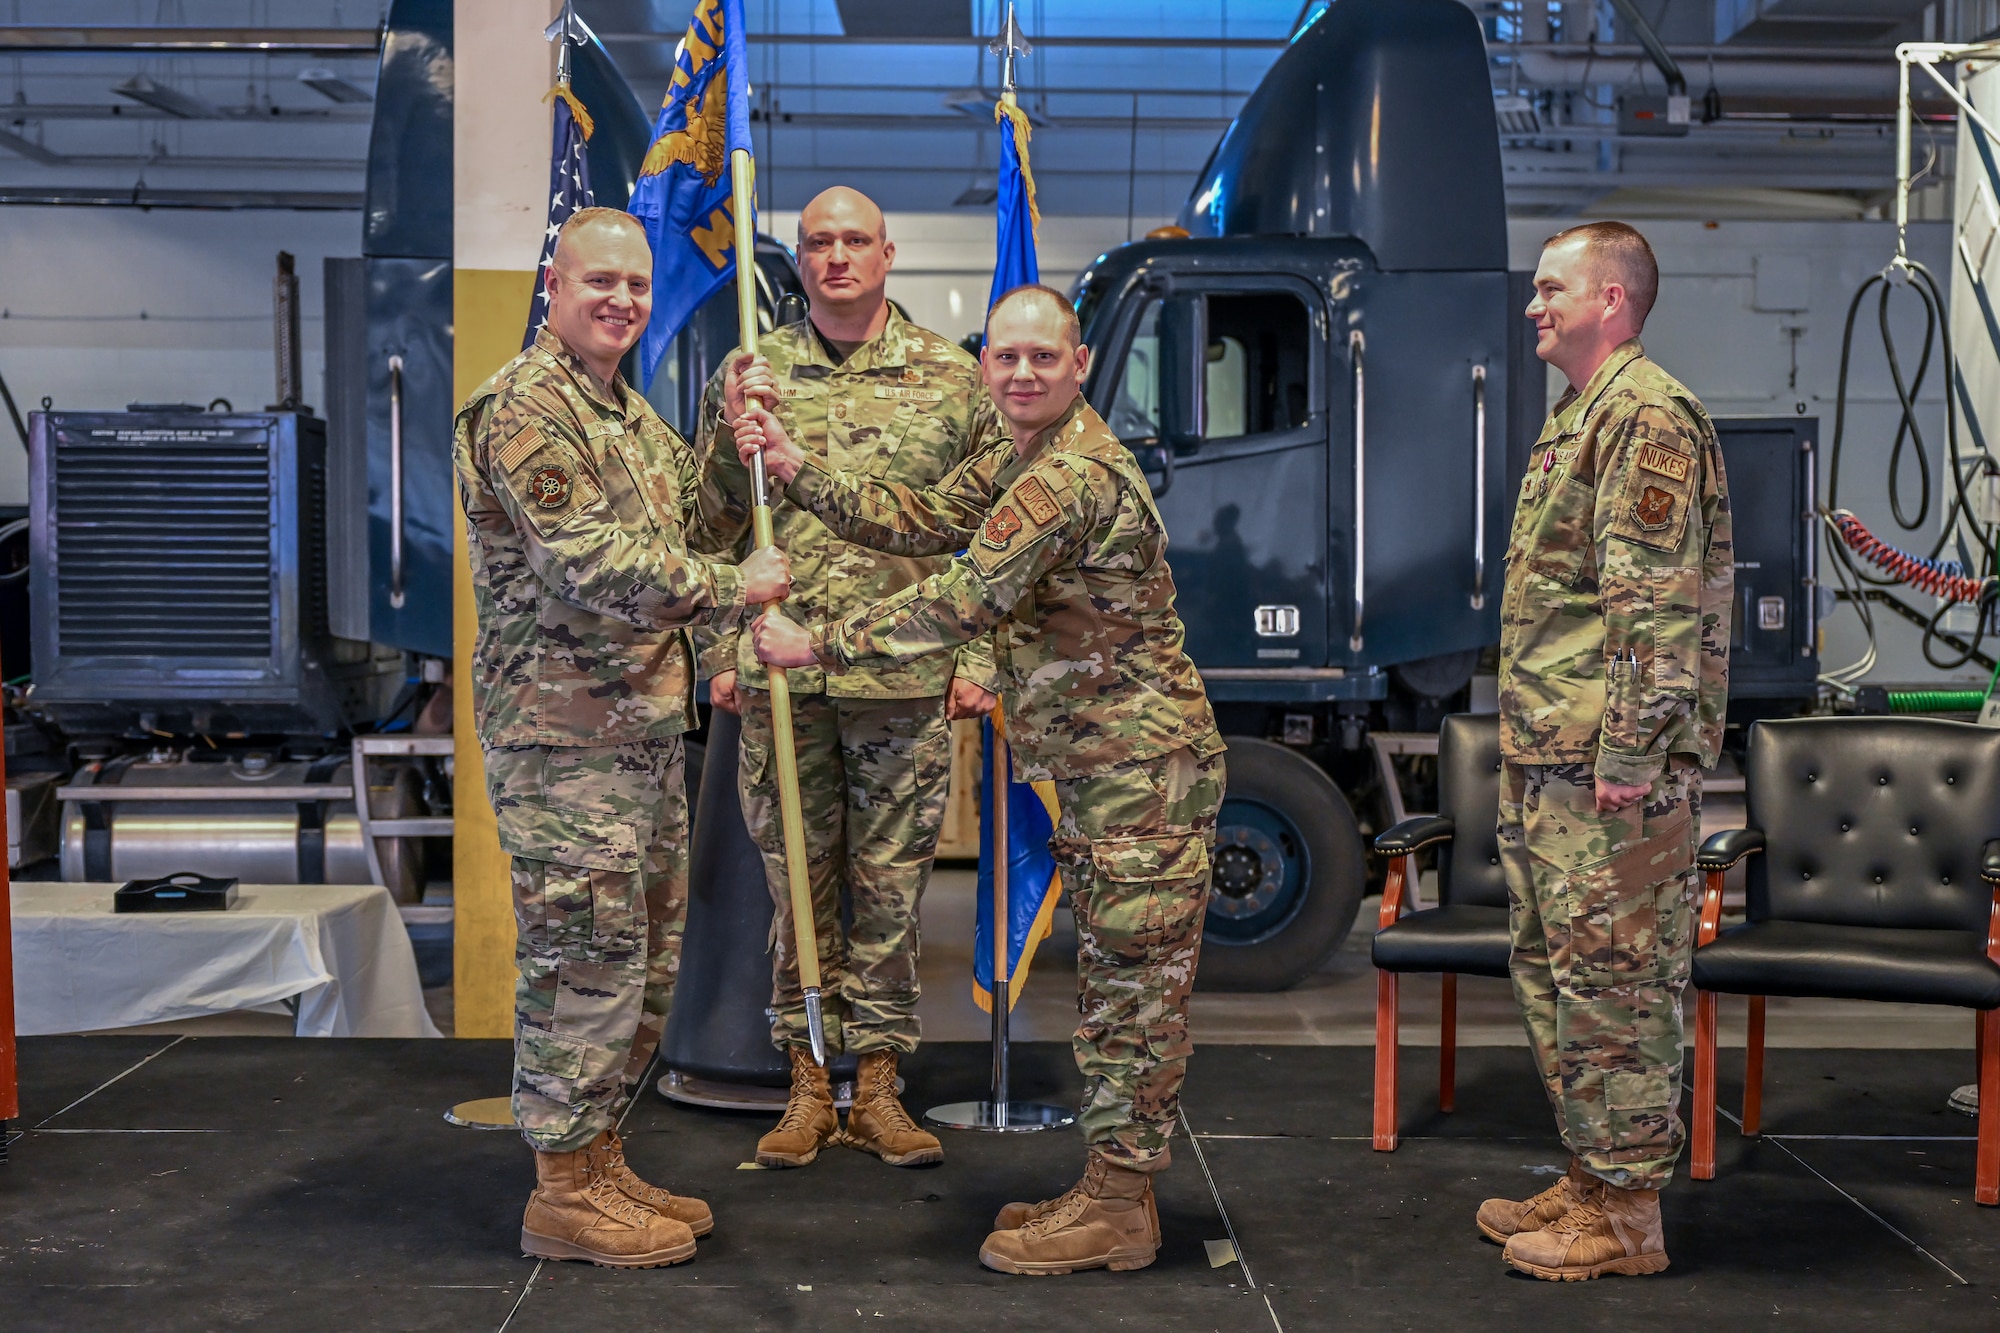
point(704, 143)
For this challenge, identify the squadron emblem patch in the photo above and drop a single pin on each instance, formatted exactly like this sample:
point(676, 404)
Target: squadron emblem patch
point(1654, 509)
point(550, 486)
point(1035, 498)
point(1000, 528)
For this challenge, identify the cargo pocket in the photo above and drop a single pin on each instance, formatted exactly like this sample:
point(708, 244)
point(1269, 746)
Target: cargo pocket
point(588, 866)
point(548, 1064)
point(1619, 907)
point(1153, 894)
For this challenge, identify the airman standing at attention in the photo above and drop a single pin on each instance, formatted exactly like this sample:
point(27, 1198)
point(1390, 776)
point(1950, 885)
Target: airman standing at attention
point(580, 505)
point(1066, 554)
point(862, 388)
point(1614, 675)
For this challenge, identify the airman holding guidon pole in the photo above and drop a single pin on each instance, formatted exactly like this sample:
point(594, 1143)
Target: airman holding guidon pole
point(1066, 554)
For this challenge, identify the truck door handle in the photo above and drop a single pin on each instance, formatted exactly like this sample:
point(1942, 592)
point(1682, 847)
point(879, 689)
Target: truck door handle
point(1357, 349)
point(1478, 488)
point(397, 595)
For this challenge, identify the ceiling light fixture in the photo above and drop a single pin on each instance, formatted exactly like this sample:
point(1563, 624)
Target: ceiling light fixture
point(332, 87)
point(170, 100)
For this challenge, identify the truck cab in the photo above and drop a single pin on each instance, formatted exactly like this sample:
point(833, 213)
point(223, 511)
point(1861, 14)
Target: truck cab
point(1321, 370)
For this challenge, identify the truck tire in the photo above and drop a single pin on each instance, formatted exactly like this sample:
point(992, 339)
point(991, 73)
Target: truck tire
point(1289, 872)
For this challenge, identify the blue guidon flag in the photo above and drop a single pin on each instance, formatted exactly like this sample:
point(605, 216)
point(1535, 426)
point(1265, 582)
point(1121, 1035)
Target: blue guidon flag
point(569, 192)
point(1032, 882)
point(682, 195)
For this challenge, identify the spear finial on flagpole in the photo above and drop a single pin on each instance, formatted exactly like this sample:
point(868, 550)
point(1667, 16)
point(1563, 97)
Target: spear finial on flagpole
point(567, 30)
point(1007, 45)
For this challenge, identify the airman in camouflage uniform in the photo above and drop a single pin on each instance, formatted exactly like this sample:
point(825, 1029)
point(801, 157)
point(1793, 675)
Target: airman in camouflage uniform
point(1613, 678)
point(1065, 552)
point(873, 745)
point(580, 505)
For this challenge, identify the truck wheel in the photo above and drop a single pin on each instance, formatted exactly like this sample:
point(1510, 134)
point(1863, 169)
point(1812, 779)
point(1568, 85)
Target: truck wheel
point(1289, 872)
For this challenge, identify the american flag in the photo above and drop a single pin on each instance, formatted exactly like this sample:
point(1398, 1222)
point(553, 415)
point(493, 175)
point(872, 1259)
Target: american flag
point(569, 190)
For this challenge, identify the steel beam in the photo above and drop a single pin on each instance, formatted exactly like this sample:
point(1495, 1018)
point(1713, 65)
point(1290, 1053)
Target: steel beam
point(52, 39)
point(126, 197)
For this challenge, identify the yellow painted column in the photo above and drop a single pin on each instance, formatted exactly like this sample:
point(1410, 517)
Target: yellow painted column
point(500, 176)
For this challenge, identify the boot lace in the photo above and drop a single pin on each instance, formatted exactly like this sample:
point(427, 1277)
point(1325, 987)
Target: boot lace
point(1586, 1214)
point(803, 1103)
point(881, 1095)
point(602, 1190)
point(1067, 1207)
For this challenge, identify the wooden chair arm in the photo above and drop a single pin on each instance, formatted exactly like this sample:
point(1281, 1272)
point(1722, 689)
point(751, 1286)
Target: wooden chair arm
point(1711, 909)
point(1392, 890)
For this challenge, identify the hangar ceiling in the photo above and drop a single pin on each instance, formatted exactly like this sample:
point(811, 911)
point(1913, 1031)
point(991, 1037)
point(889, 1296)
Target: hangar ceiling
point(1793, 99)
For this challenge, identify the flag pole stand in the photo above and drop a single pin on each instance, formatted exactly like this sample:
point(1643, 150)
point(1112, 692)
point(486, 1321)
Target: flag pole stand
point(999, 1114)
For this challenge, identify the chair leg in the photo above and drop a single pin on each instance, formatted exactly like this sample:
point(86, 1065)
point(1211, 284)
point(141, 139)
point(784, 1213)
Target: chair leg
point(1703, 1167)
point(1986, 1179)
point(1448, 1046)
point(1753, 1070)
point(1385, 1061)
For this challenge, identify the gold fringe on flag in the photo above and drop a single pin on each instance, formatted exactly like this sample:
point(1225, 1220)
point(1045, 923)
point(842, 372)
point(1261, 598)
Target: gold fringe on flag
point(583, 120)
point(1007, 109)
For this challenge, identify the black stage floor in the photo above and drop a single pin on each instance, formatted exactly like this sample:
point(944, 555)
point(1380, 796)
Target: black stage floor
point(228, 1183)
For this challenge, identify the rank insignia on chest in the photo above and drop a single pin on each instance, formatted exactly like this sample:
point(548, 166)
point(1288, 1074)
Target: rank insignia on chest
point(1654, 508)
point(1000, 528)
point(550, 485)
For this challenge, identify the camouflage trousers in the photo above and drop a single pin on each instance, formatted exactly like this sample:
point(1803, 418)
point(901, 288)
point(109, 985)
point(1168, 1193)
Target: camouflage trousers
point(1134, 845)
point(599, 841)
point(1602, 910)
point(872, 781)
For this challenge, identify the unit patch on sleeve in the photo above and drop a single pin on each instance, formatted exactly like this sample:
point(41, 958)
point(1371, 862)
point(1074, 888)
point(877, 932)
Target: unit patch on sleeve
point(1036, 499)
point(550, 486)
point(1656, 458)
point(1001, 528)
point(1654, 509)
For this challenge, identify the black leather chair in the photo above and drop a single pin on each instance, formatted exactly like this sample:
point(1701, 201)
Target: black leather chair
point(1878, 879)
point(1467, 930)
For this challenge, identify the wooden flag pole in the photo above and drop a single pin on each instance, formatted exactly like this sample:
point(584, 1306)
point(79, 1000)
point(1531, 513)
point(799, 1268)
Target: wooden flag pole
point(742, 178)
point(1003, 847)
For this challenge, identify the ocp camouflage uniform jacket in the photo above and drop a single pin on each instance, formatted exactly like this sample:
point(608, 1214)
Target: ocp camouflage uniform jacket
point(906, 407)
point(1621, 550)
point(1070, 561)
point(578, 514)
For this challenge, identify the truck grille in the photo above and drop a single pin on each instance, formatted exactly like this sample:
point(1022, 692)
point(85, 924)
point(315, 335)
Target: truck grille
point(163, 549)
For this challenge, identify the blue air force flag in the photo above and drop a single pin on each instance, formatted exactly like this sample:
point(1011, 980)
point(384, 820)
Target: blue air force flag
point(682, 195)
point(569, 191)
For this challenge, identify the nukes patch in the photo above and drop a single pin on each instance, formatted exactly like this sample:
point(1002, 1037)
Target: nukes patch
point(1666, 462)
point(1036, 499)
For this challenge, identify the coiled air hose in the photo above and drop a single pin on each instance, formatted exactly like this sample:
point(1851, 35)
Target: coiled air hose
point(1948, 579)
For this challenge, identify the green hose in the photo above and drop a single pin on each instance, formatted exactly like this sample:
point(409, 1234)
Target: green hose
point(1936, 701)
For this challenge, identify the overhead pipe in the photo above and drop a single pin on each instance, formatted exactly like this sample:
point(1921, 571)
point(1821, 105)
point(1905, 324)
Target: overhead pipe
point(1656, 50)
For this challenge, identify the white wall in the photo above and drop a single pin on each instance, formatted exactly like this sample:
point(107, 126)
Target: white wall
point(104, 306)
point(1708, 330)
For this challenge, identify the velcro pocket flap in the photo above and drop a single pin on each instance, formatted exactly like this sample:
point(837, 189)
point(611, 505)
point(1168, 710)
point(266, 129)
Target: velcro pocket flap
point(552, 1054)
point(537, 831)
point(1637, 1089)
point(1149, 859)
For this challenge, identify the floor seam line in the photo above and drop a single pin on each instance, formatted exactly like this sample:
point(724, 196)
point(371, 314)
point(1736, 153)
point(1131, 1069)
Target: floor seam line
point(1884, 1222)
point(520, 1300)
point(113, 1079)
point(1215, 1192)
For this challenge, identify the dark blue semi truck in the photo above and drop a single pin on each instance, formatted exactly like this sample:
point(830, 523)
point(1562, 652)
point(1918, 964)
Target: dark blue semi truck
point(1328, 382)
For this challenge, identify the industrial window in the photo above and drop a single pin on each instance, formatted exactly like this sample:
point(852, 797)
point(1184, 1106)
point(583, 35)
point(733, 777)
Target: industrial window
point(1259, 348)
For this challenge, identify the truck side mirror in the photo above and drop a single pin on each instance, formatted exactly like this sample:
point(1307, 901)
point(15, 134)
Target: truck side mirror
point(1183, 371)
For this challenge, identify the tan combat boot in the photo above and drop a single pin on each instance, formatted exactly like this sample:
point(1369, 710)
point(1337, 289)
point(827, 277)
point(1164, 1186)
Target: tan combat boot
point(878, 1123)
point(1500, 1218)
point(809, 1122)
point(1106, 1221)
point(1015, 1215)
point(608, 1156)
point(1615, 1231)
point(576, 1212)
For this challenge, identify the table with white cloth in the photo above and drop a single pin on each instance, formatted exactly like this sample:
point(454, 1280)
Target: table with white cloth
point(337, 953)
